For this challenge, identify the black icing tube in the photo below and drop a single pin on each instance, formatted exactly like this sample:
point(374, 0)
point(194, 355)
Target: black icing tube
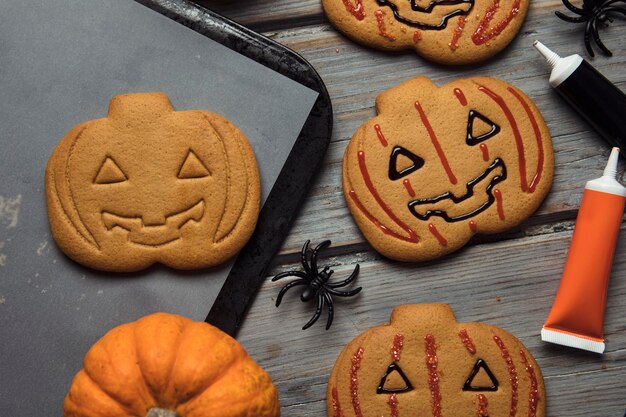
point(594, 97)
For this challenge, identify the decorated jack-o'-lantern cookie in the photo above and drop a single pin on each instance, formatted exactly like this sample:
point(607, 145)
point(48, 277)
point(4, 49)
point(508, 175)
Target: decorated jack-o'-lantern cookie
point(439, 164)
point(424, 363)
point(444, 31)
point(164, 365)
point(148, 184)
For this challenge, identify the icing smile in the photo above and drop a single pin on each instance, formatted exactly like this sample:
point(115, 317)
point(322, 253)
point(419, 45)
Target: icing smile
point(459, 8)
point(154, 236)
point(495, 173)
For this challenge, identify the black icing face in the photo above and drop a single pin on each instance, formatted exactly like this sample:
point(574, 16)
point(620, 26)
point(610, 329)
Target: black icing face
point(494, 173)
point(433, 16)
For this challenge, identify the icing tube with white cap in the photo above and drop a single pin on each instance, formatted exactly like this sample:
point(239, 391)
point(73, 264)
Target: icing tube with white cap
point(595, 98)
point(577, 315)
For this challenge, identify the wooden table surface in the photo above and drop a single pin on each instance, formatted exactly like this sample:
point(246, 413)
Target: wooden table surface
point(508, 280)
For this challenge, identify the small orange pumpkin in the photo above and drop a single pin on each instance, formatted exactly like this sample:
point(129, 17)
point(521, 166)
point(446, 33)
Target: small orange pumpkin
point(166, 365)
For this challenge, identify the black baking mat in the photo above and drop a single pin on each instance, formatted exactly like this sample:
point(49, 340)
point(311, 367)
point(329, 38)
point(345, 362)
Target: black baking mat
point(60, 63)
point(291, 187)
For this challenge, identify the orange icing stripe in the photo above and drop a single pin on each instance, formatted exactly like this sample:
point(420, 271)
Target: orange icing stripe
point(435, 141)
point(484, 34)
point(354, 382)
point(380, 135)
point(516, 133)
point(412, 236)
point(337, 411)
point(357, 10)
point(513, 379)
point(533, 394)
point(380, 20)
point(442, 240)
point(533, 122)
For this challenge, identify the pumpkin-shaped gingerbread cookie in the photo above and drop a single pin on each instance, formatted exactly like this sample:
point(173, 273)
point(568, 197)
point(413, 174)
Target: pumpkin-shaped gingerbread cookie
point(149, 184)
point(444, 31)
point(423, 363)
point(164, 365)
point(440, 164)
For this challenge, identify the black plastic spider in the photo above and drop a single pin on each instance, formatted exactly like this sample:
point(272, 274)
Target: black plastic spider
point(594, 12)
point(317, 284)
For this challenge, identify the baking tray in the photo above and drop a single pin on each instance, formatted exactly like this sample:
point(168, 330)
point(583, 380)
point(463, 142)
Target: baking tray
point(278, 212)
point(52, 309)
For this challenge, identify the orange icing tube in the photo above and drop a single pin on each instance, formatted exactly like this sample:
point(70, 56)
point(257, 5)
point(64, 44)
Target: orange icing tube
point(577, 315)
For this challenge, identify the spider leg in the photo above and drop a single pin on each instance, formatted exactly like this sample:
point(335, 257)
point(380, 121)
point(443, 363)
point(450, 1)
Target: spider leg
point(570, 19)
point(344, 293)
point(286, 288)
point(318, 248)
point(348, 280)
point(290, 274)
point(596, 37)
point(587, 40)
point(303, 257)
point(329, 303)
point(573, 8)
point(318, 312)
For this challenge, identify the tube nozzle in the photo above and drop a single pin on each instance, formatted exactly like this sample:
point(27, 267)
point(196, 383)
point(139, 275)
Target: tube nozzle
point(611, 166)
point(550, 56)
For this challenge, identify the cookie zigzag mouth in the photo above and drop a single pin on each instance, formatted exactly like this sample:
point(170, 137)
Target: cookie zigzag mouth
point(158, 235)
point(497, 163)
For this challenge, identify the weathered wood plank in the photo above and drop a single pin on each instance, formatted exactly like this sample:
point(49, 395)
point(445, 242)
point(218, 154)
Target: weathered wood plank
point(510, 284)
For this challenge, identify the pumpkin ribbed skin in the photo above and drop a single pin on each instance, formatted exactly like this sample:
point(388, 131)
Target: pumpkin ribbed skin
point(170, 362)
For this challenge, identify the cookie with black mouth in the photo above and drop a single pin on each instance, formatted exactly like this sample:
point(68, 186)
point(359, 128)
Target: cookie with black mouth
point(444, 31)
point(440, 164)
point(148, 184)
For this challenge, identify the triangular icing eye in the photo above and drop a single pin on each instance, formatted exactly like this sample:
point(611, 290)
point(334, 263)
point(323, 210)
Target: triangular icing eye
point(397, 169)
point(109, 173)
point(394, 381)
point(488, 130)
point(192, 167)
point(481, 378)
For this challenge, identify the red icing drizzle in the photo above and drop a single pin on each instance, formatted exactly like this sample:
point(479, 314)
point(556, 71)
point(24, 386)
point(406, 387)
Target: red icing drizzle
point(435, 141)
point(442, 240)
point(409, 187)
point(533, 122)
point(482, 406)
point(498, 195)
point(354, 382)
point(472, 225)
point(483, 33)
point(412, 236)
point(512, 374)
point(393, 405)
point(467, 341)
point(458, 31)
point(396, 347)
point(337, 412)
point(460, 96)
point(433, 376)
point(396, 350)
point(533, 395)
point(356, 10)
point(485, 151)
point(380, 135)
point(380, 20)
point(518, 142)
point(417, 36)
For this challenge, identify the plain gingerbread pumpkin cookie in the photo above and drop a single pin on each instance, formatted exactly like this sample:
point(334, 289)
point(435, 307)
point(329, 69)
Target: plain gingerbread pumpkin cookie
point(425, 363)
point(443, 31)
point(148, 184)
point(440, 164)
